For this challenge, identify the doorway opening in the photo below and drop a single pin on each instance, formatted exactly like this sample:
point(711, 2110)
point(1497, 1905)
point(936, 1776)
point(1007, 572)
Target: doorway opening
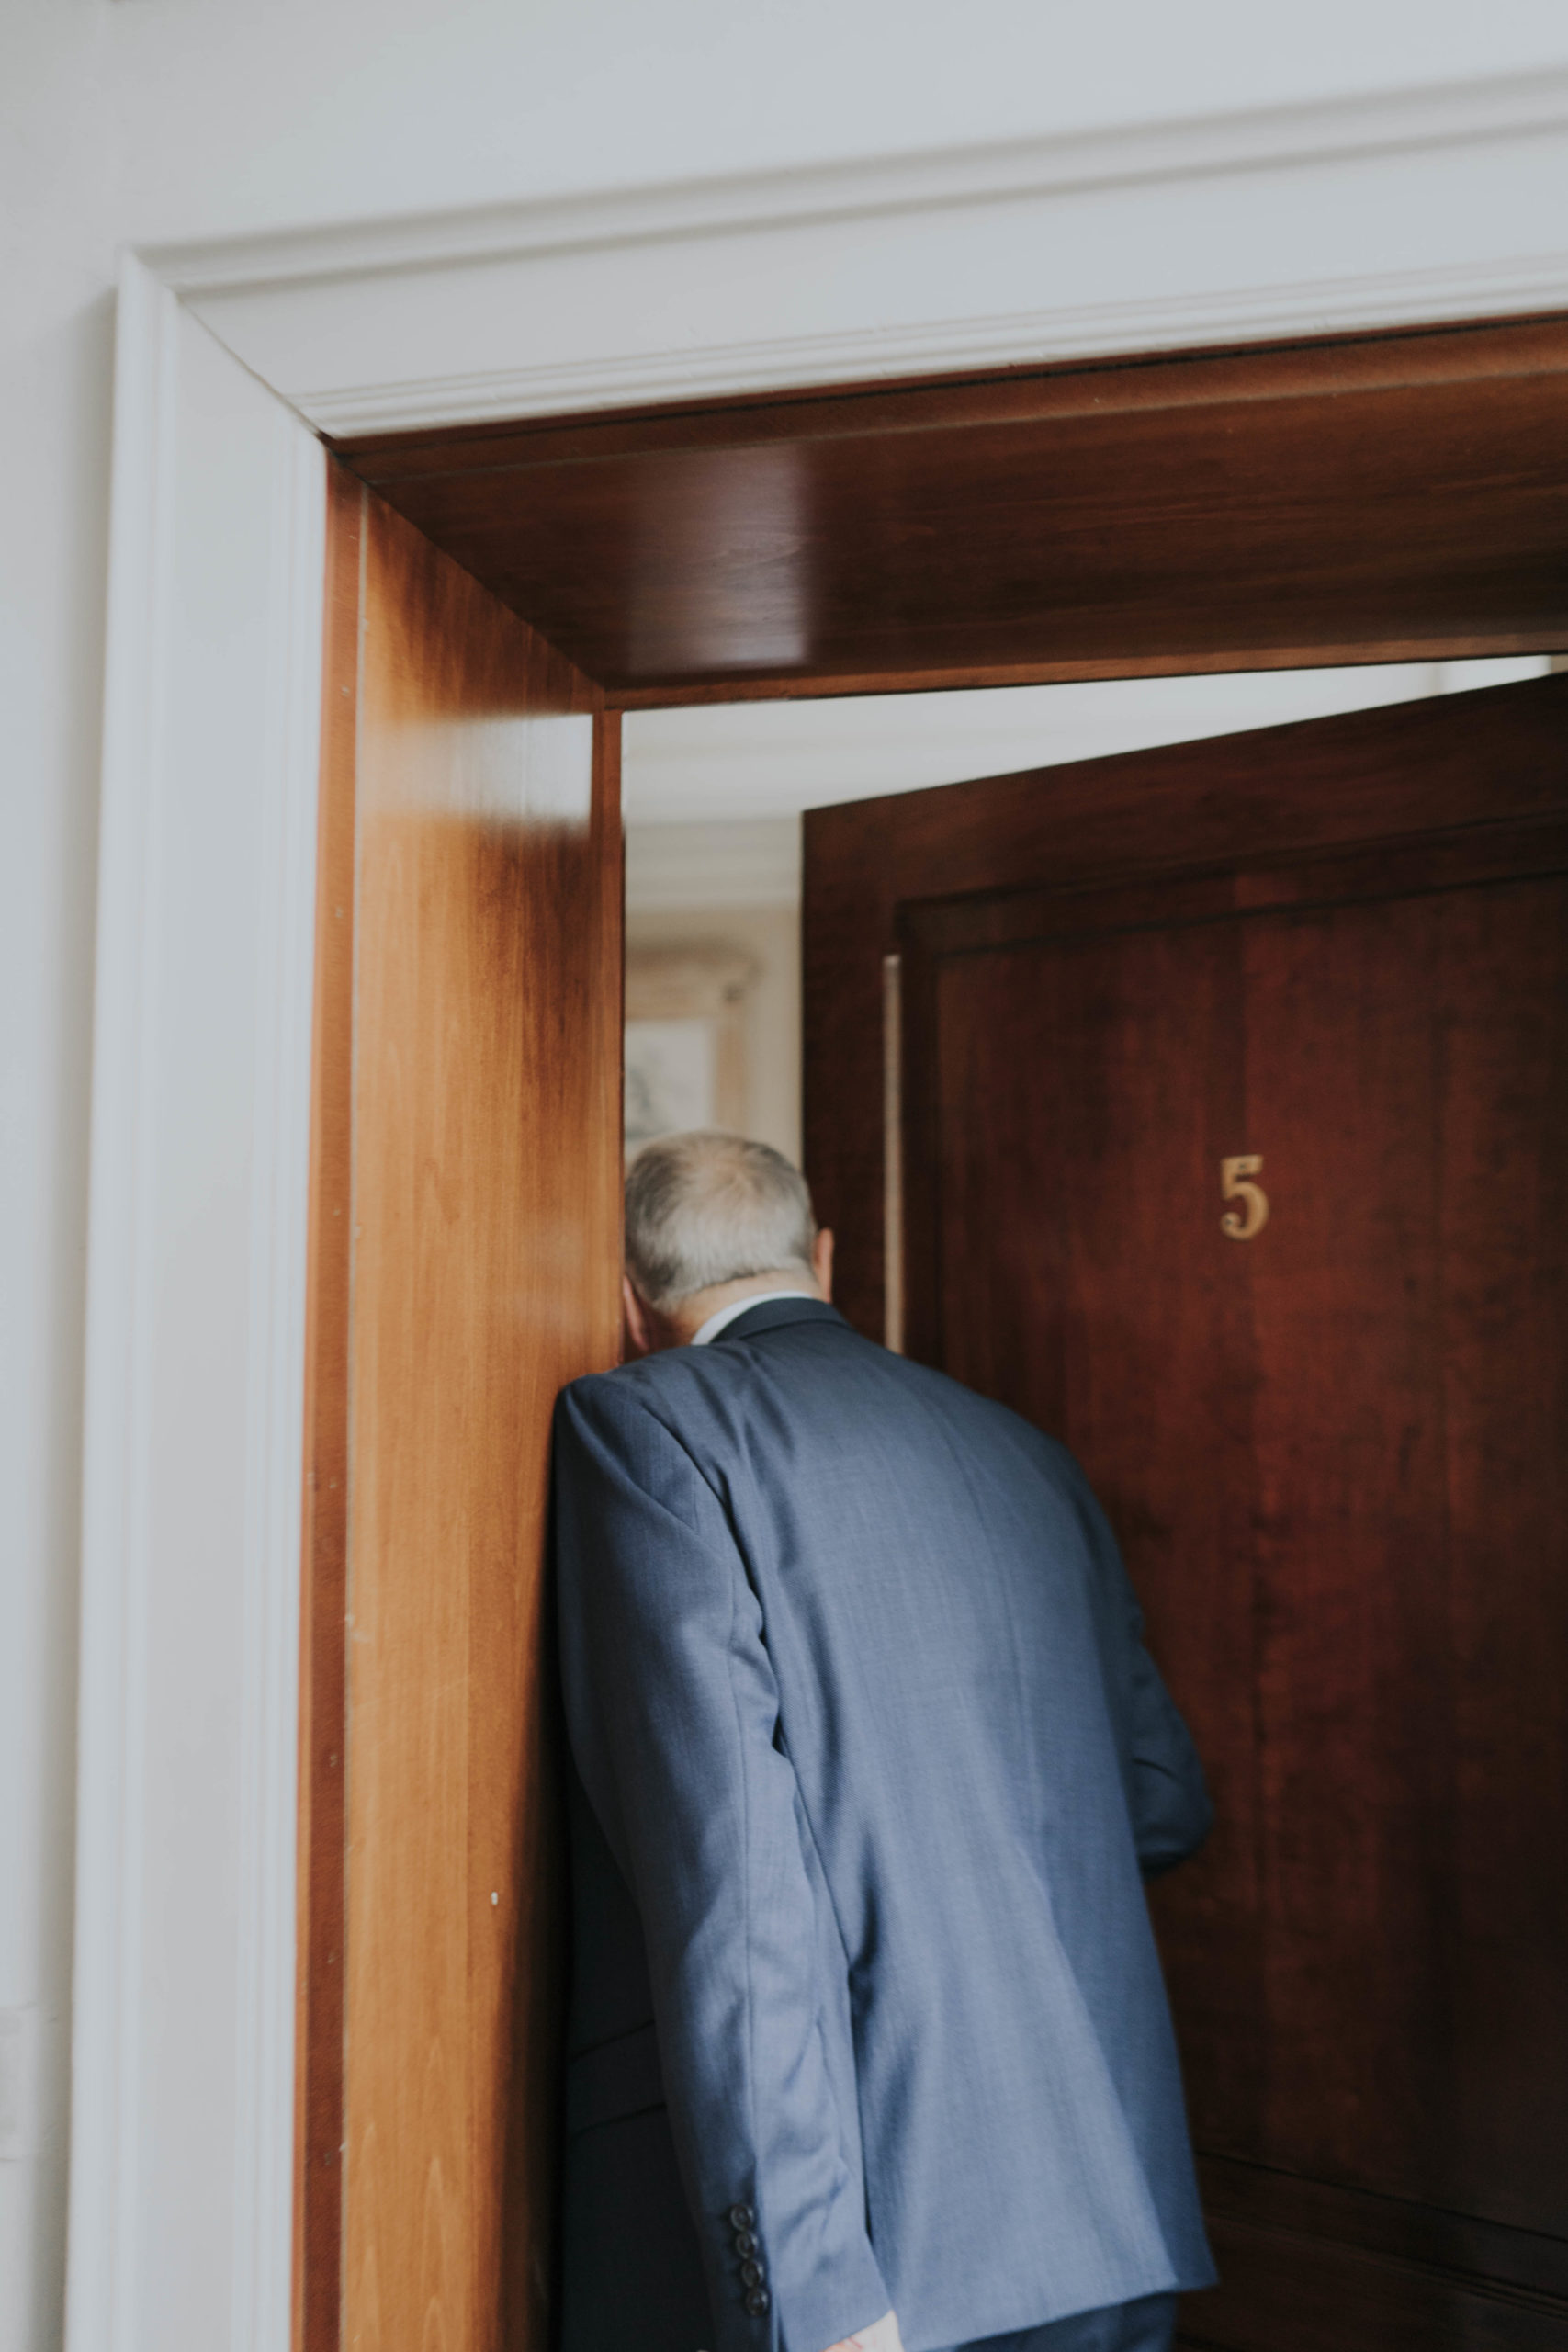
point(1054, 565)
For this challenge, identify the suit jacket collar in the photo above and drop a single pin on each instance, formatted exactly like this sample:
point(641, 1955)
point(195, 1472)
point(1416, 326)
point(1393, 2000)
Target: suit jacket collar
point(774, 1314)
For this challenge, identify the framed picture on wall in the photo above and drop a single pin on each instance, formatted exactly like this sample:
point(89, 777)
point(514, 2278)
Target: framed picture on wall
point(685, 1039)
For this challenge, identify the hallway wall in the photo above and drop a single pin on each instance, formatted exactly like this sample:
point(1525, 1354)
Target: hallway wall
point(730, 886)
point(767, 940)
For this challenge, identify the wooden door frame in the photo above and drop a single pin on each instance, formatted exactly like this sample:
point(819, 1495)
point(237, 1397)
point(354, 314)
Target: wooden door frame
point(230, 359)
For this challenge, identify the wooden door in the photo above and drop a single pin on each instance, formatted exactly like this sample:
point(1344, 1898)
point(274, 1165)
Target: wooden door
point(465, 1239)
point(1336, 1447)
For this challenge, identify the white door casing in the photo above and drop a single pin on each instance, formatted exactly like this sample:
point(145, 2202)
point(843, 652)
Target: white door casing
point(1433, 205)
point(182, 2076)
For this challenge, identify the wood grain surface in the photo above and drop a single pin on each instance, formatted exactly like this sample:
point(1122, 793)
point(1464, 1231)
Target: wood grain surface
point(484, 1085)
point(319, 2022)
point(1416, 766)
point(1391, 497)
point(1337, 1455)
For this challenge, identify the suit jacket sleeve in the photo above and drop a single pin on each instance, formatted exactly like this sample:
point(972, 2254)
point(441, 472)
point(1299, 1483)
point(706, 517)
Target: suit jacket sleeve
point(674, 1713)
point(1166, 1795)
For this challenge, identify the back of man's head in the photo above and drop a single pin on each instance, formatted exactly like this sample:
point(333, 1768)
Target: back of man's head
point(703, 1209)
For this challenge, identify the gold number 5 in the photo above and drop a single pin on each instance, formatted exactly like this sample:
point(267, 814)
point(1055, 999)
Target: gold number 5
point(1244, 1223)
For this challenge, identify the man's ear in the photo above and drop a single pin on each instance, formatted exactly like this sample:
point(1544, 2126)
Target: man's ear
point(822, 1261)
point(639, 1339)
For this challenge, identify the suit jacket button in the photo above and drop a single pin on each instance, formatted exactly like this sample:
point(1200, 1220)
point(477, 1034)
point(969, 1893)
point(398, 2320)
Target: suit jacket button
point(757, 2301)
point(752, 2274)
point(745, 2244)
point(741, 2217)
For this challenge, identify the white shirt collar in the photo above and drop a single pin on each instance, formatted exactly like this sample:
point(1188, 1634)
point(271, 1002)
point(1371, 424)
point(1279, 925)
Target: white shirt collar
point(727, 1315)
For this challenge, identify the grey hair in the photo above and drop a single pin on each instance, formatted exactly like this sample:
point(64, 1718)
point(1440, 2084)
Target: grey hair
point(707, 1208)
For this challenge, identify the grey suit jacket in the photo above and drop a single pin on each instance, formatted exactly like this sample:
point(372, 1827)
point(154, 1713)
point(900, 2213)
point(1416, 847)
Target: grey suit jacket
point(871, 1757)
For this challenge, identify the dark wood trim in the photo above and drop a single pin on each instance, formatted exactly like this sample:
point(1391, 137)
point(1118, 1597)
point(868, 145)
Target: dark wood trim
point(1455, 859)
point(1305, 2250)
point(1477, 645)
point(921, 1151)
point(609, 841)
point(319, 2028)
point(1490, 2255)
point(1380, 497)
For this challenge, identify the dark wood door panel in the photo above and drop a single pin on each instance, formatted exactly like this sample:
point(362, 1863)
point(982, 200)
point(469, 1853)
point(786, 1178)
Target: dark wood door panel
point(1503, 1223)
point(1244, 803)
point(1285, 2293)
point(1488, 2255)
point(1336, 1454)
point(1416, 2044)
point(1306, 2265)
point(1367, 1959)
point(1062, 1123)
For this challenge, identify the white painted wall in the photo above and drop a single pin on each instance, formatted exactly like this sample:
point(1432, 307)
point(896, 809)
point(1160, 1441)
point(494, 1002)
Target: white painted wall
point(145, 120)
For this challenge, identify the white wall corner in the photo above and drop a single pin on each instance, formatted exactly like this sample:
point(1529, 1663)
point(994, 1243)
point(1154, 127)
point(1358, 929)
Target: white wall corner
point(107, 1976)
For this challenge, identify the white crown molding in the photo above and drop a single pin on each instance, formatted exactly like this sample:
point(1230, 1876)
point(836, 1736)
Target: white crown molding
point(182, 2092)
point(1101, 330)
point(1408, 208)
point(1268, 138)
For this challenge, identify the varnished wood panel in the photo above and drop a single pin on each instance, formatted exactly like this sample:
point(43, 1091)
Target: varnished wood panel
point(1301, 2253)
point(1272, 1427)
point(486, 1182)
point(1391, 497)
point(318, 2046)
point(1336, 1456)
point(1424, 765)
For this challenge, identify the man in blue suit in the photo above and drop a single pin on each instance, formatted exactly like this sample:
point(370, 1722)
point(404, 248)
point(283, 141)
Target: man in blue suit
point(868, 2043)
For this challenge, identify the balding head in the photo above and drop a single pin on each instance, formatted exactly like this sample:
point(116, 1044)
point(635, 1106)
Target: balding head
point(709, 1216)
point(704, 1209)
